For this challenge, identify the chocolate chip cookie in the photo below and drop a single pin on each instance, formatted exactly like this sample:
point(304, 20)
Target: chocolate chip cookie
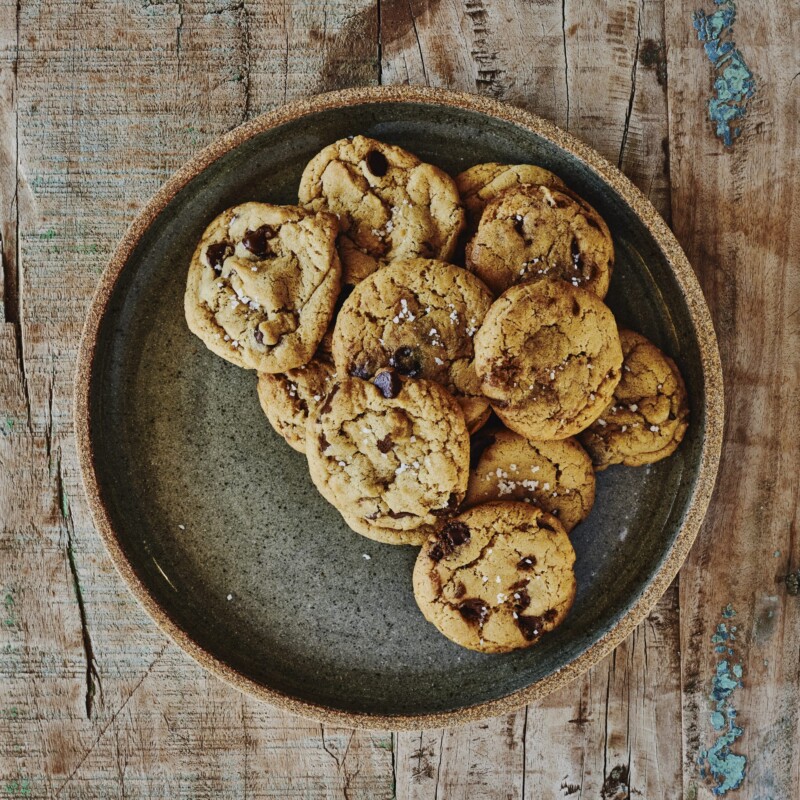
point(532, 232)
point(390, 204)
point(549, 357)
point(418, 316)
point(496, 577)
point(289, 397)
point(649, 413)
point(391, 454)
point(262, 285)
point(555, 476)
point(479, 185)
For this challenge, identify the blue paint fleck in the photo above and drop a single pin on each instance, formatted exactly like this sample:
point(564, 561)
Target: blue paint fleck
point(734, 84)
point(718, 764)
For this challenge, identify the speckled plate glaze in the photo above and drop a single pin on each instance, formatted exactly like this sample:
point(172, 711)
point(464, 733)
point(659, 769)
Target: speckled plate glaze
point(213, 521)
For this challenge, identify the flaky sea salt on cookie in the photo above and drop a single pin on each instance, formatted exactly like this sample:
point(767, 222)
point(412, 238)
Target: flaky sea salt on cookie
point(262, 285)
point(497, 577)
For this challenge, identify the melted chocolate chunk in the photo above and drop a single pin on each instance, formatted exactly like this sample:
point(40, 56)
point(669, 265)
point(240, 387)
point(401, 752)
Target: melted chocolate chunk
point(258, 336)
point(326, 406)
point(361, 371)
point(531, 627)
point(576, 307)
point(527, 562)
point(385, 444)
point(577, 256)
point(459, 591)
point(388, 383)
point(256, 241)
point(521, 602)
point(406, 361)
point(477, 445)
point(451, 535)
point(452, 505)
point(376, 163)
point(474, 611)
point(324, 444)
point(217, 253)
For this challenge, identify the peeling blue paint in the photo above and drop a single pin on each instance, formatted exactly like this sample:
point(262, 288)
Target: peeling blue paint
point(718, 764)
point(734, 84)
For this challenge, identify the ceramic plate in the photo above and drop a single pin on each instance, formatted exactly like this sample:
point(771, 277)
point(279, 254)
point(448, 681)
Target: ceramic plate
point(212, 519)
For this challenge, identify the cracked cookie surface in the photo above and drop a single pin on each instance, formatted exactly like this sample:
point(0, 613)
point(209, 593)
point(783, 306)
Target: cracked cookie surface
point(496, 577)
point(479, 185)
point(262, 285)
point(531, 232)
point(287, 398)
point(549, 358)
point(418, 316)
point(390, 204)
point(391, 455)
point(556, 476)
point(649, 413)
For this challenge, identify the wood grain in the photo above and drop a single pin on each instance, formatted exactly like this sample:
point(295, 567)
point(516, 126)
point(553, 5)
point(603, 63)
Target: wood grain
point(99, 103)
point(735, 211)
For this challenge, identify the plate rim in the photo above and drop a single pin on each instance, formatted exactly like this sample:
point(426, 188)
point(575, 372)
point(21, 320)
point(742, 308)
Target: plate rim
point(688, 284)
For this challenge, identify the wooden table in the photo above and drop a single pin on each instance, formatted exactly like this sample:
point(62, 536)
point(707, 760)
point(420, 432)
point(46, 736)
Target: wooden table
point(100, 100)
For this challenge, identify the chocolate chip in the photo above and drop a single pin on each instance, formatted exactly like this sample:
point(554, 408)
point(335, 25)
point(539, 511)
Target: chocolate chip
point(477, 445)
point(474, 611)
point(376, 163)
point(217, 253)
point(361, 371)
point(452, 505)
point(258, 336)
point(577, 256)
point(326, 406)
point(406, 361)
point(388, 383)
point(576, 307)
point(459, 590)
point(256, 241)
point(385, 444)
point(523, 601)
point(527, 562)
point(519, 225)
point(324, 444)
point(549, 615)
point(451, 535)
point(531, 627)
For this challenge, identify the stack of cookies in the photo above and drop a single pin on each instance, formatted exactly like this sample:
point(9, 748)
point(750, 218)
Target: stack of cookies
point(440, 351)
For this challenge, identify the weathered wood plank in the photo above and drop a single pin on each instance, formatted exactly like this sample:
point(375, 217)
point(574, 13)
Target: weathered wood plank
point(735, 210)
point(108, 100)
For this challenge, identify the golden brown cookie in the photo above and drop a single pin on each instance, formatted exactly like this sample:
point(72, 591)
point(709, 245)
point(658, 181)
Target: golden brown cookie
point(479, 185)
point(649, 413)
point(496, 577)
point(262, 285)
point(557, 476)
point(390, 204)
point(392, 455)
point(549, 357)
point(532, 232)
point(418, 316)
point(287, 398)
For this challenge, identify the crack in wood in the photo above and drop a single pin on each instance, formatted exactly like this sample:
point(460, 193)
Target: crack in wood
point(93, 681)
point(634, 70)
point(113, 719)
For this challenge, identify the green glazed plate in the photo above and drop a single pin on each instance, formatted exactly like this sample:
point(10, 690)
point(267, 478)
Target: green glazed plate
point(212, 520)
